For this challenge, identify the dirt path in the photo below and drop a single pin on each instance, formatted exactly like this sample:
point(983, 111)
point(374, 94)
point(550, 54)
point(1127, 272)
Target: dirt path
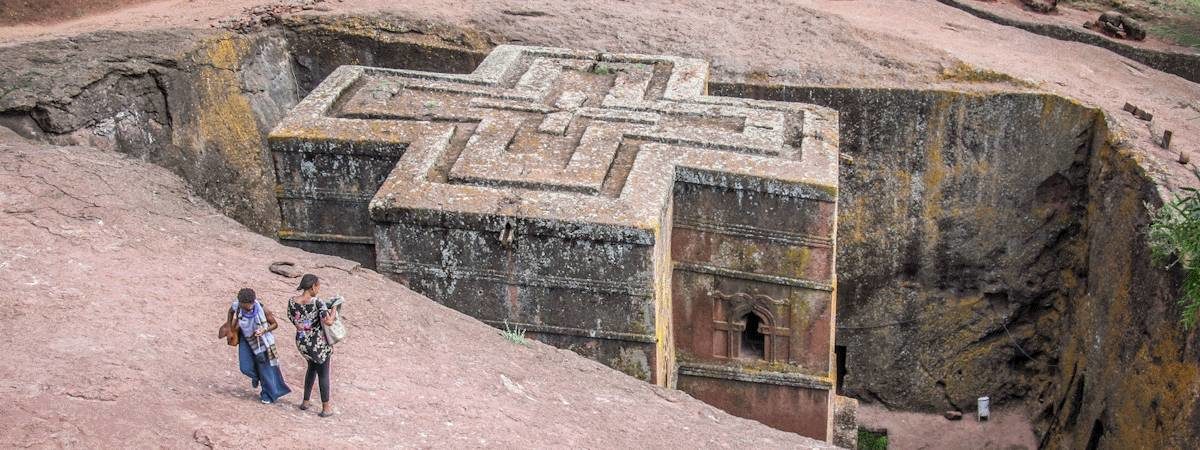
point(116, 281)
point(1007, 429)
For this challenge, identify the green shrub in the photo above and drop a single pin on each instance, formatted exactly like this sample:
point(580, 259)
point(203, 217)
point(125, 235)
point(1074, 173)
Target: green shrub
point(870, 440)
point(1175, 240)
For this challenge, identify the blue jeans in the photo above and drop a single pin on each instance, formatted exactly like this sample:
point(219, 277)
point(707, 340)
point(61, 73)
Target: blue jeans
point(258, 368)
point(246, 361)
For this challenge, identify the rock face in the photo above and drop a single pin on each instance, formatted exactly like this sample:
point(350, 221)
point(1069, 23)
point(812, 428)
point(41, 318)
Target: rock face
point(201, 102)
point(1042, 6)
point(201, 110)
point(1119, 25)
point(845, 422)
point(1127, 372)
point(960, 240)
point(1009, 263)
point(600, 201)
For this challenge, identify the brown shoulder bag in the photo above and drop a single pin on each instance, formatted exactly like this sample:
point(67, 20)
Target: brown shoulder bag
point(229, 333)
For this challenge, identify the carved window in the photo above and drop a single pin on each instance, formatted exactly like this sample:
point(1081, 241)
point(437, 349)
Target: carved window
point(747, 327)
point(753, 343)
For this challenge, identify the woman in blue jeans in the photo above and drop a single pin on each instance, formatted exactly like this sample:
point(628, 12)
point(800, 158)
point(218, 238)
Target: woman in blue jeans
point(256, 348)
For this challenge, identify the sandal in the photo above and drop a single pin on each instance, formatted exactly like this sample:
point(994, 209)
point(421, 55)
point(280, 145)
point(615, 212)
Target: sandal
point(304, 406)
point(325, 414)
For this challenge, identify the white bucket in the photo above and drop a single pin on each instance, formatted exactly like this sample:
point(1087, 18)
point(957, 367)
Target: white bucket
point(983, 408)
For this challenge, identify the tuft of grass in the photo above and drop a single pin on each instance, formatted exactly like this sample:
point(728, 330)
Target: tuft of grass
point(870, 440)
point(1174, 238)
point(514, 334)
point(601, 69)
point(964, 72)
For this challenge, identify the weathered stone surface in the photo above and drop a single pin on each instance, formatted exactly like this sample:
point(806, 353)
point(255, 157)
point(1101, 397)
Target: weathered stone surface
point(957, 248)
point(199, 104)
point(1127, 373)
point(1040, 267)
point(1042, 6)
point(1116, 24)
point(600, 201)
point(845, 422)
point(286, 269)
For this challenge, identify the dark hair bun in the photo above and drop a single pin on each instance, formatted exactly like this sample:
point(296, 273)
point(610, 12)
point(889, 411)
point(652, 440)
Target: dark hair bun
point(307, 282)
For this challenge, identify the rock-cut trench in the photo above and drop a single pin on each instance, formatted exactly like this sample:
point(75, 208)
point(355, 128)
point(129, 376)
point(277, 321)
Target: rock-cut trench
point(989, 243)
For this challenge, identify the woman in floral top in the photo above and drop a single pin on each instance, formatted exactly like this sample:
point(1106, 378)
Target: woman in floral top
point(310, 315)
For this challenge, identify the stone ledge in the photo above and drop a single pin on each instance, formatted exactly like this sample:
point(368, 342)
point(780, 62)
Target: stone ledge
point(774, 279)
point(579, 332)
point(777, 378)
point(322, 194)
point(291, 235)
point(747, 231)
point(583, 284)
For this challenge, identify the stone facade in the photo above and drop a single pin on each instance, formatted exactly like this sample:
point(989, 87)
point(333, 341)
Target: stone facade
point(600, 201)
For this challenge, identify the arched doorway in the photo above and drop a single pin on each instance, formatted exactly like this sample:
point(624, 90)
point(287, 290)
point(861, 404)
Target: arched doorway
point(753, 341)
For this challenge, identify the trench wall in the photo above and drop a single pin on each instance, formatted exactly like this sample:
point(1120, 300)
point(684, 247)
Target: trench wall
point(993, 244)
point(201, 110)
point(1127, 373)
point(960, 239)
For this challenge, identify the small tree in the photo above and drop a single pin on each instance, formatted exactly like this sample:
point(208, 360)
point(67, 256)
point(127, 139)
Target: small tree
point(1175, 239)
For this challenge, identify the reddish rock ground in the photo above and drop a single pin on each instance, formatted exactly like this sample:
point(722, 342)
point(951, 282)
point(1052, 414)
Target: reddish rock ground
point(1006, 429)
point(116, 283)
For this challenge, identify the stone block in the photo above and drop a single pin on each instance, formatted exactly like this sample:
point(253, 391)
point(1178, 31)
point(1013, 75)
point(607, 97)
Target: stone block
point(845, 422)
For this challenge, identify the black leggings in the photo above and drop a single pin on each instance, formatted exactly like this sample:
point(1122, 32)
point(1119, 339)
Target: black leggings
point(315, 370)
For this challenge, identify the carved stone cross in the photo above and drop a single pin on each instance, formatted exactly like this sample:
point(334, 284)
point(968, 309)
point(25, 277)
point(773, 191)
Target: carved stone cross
point(596, 200)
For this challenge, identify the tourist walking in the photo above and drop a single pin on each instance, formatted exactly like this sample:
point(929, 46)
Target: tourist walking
point(311, 316)
point(256, 347)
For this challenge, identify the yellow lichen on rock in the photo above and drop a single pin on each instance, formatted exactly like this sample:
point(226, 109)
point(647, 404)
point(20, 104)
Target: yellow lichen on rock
point(964, 72)
point(796, 260)
point(226, 120)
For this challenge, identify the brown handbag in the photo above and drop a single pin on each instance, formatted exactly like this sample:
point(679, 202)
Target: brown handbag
point(230, 335)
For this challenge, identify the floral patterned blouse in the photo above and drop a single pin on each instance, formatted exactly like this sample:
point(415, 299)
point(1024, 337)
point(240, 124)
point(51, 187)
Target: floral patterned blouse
point(310, 334)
